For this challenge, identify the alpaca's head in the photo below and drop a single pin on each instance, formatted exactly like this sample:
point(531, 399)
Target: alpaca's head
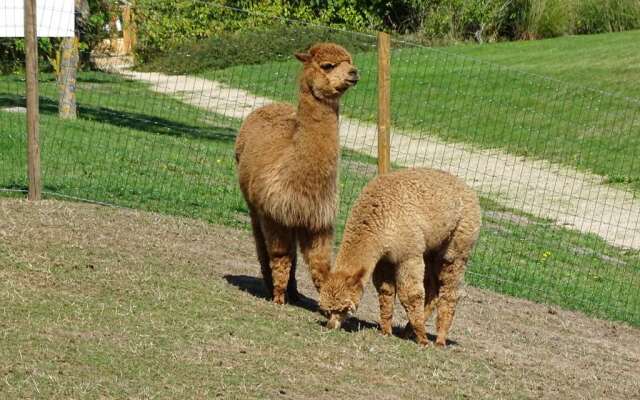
point(340, 295)
point(328, 71)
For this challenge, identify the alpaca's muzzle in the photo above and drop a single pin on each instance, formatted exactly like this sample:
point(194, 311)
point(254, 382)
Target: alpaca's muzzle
point(335, 320)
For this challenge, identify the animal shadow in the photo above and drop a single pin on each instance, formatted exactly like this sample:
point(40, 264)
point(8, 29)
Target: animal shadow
point(353, 324)
point(255, 287)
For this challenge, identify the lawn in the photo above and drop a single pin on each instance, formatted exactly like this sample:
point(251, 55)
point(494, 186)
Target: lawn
point(572, 100)
point(99, 302)
point(139, 149)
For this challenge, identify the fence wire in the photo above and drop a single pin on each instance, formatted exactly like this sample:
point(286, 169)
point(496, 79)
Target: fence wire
point(553, 162)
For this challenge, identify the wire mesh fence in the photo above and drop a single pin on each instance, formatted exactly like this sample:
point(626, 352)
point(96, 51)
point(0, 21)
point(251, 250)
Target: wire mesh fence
point(555, 162)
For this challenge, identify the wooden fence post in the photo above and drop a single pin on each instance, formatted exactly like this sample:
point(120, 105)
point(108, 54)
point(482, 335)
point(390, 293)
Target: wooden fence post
point(31, 66)
point(384, 102)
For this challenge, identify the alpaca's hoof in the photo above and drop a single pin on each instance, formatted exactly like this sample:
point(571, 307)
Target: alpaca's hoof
point(423, 341)
point(278, 298)
point(386, 330)
point(442, 343)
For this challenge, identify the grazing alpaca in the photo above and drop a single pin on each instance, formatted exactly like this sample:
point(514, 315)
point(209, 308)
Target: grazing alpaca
point(287, 161)
point(413, 231)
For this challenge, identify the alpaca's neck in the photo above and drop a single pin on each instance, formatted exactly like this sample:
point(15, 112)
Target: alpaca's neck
point(360, 253)
point(317, 128)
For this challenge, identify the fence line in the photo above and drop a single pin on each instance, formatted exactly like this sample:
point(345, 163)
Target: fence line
point(538, 150)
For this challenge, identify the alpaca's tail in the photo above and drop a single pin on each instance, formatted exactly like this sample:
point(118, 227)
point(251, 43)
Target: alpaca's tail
point(239, 147)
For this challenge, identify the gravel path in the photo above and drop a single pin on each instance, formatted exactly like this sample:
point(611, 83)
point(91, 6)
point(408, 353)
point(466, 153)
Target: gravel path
point(570, 198)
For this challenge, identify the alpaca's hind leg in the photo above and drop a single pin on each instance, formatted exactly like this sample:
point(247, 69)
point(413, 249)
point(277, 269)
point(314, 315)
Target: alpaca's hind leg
point(450, 276)
point(410, 286)
point(280, 244)
point(292, 287)
point(261, 250)
point(317, 251)
point(433, 264)
point(384, 280)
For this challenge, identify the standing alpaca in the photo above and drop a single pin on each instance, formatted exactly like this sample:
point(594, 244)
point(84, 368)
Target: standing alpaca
point(287, 162)
point(413, 231)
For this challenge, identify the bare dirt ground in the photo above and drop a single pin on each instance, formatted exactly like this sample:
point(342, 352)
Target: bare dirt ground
point(550, 353)
point(569, 197)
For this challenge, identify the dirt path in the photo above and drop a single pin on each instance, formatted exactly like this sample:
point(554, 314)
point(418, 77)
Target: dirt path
point(549, 353)
point(571, 198)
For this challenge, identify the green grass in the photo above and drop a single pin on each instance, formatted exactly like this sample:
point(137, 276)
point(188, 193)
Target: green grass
point(148, 151)
point(606, 62)
point(135, 148)
point(460, 95)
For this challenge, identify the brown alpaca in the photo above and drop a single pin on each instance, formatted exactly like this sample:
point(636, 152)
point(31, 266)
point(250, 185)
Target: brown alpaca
point(287, 162)
point(413, 231)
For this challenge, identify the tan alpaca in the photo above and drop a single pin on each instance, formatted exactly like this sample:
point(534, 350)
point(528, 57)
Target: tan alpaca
point(412, 231)
point(287, 161)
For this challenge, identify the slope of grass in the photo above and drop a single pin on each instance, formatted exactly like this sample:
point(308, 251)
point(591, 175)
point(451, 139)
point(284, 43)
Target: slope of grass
point(448, 93)
point(106, 303)
point(606, 62)
point(139, 149)
point(107, 322)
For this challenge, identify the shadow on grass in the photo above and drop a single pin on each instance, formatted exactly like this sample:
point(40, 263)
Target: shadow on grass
point(255, 287)
point(353, 324)
point(131, 120)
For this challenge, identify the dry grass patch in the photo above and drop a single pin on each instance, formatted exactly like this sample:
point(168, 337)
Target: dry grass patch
point(100, 302)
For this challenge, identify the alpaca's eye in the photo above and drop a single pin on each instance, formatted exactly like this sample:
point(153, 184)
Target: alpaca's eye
point(327, 66)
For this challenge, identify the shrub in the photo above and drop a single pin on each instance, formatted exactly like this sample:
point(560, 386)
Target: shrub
point(597, 16)
point(273, 43)
point(166, 24)
point(547, 18)
point(89, 28)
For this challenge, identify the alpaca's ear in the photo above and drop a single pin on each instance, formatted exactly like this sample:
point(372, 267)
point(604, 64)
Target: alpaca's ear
point(303, 57)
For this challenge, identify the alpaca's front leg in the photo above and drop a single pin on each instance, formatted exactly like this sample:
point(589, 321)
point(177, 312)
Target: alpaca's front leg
point(281, 247)
point(317, 251)
point(410, 286)
point(385, 282)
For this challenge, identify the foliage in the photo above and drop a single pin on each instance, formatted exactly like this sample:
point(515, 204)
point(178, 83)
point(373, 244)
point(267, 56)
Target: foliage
point(597, 16)
point(277, 42)
point(90, 31)
point(164, 25)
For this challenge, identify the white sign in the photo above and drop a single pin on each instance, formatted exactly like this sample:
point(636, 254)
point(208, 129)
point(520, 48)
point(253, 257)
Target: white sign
point(55, 18)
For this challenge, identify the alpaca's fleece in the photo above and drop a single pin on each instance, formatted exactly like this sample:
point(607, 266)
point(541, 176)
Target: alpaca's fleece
point(287, 163)
point(401, 221)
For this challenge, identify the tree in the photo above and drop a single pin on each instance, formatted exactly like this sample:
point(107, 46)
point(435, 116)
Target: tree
point(67, 61)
